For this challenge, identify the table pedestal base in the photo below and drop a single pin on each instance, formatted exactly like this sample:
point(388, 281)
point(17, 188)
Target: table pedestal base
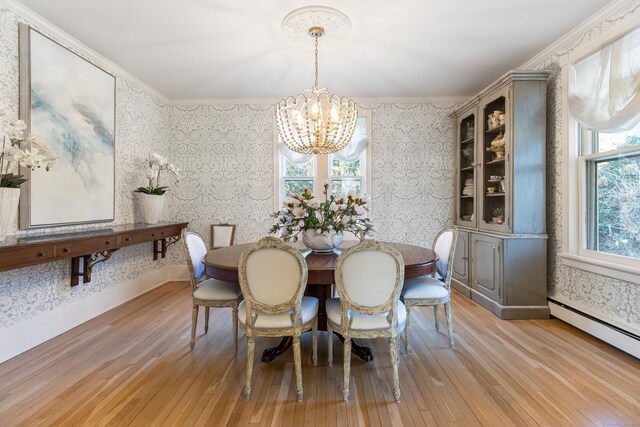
point(270, 354)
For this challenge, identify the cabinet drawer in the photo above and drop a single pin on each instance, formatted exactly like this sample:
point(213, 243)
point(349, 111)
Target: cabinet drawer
point(26, 256)
point(85, 247)
point(145, 236)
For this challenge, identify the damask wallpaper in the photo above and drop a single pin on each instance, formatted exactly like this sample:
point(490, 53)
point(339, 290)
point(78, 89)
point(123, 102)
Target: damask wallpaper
point(227, 154)
point(142, 126)
point(609, 299)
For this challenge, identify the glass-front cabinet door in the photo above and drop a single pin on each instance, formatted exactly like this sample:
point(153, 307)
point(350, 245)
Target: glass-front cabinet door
point(494, 148)
point(466, 201)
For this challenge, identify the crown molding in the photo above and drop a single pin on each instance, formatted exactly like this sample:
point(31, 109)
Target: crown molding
point(36, 21)
point(361, 101)
point(566, 40)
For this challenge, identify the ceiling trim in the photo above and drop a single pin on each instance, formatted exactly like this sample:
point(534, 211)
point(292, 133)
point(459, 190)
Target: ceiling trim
point(358, 100)
point(38, 22)
point(584, 27)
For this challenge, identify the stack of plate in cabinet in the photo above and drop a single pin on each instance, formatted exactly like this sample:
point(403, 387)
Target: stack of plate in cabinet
point(469, 187)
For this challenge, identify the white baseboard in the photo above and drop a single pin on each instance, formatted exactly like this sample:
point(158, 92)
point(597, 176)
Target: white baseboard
point(599, 330)
point(21, 337)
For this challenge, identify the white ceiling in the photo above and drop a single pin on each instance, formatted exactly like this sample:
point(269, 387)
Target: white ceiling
point(206, 49)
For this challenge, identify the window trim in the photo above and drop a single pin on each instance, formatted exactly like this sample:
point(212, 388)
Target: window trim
point(574, 251)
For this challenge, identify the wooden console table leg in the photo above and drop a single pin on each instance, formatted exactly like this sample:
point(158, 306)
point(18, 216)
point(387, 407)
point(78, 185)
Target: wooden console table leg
point(75, 271)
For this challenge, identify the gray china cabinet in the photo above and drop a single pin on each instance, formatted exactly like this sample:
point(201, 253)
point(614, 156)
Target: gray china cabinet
point(501, 253)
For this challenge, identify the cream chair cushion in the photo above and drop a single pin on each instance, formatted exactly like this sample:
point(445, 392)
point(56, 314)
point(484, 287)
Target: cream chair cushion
point(425, 288)
point(273, 276)
point(362, 322)
point(197, 251)
point(309, 309)
point(369, 277)
point(442, 247)
point(217, 290)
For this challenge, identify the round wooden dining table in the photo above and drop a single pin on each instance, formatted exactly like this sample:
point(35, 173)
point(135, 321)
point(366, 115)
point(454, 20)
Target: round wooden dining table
point(222, 264)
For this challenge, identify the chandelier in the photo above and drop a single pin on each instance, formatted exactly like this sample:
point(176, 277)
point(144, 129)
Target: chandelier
point(316, 122)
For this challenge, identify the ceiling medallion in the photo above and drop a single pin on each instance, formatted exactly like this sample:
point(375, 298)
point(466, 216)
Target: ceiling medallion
point(316, 122)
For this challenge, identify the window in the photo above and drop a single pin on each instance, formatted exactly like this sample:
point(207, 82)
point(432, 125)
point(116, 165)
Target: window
point(296, 176)
point(612, 192)
point(602, 209)
point(314, 171)
point(347, 176)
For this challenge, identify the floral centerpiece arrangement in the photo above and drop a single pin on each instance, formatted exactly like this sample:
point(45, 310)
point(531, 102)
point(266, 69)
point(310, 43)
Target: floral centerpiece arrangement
point(322, 224)
point(38, 156)
point(155, 166)
point(151, 197)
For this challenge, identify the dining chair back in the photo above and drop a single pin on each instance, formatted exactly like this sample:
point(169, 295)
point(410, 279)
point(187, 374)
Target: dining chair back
point(443, 245)
point(210, 292)
point(196, 251)
point(370, 277)
point(273, 277)
point(222, 235)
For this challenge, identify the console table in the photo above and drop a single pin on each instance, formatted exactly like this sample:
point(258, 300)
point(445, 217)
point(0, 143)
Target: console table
point(86, 248)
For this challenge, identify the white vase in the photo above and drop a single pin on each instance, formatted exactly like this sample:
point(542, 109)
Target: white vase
point(9, 200)
point(150, 207)
point(326, 241)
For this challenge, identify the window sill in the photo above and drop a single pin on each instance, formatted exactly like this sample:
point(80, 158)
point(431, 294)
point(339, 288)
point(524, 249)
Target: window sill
point(605, 268)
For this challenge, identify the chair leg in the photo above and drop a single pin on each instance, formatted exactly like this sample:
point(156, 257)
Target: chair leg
point(194, 323)
point(206, 320)
point(314, 340)
point(435, 316)
point(406, 329)
point(297, 362)
point(393, 350)
point(234, 318)
point(447, 311)
point(346, 368)
point(251, 342)
point(330, 344)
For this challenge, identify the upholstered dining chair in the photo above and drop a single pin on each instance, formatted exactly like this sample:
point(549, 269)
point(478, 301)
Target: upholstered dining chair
point(273, 276)
point(208, 292)
point(425, 291)
point(368, 277)
point(222, 235)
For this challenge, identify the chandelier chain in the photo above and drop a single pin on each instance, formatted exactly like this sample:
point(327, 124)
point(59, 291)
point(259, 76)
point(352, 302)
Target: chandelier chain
point(316, 56)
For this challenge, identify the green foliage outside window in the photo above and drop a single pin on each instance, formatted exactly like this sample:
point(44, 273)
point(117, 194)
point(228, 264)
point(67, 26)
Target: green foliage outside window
point(617, 208)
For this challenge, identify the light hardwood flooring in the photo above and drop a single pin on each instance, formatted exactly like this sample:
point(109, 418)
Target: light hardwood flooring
point(132, 366)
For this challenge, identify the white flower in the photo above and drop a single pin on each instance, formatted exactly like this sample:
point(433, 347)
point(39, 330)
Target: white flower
point(159, 160)
point(318, 231)
point(301, 224)
point(370, 233)
point(360, 210)
point(284, 232)
point(345, 219)
point(298, 212)
point(333, 207)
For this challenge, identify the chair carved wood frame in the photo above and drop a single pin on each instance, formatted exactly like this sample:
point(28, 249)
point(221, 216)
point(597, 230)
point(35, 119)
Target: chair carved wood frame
point(253, 307)
point(349, 305)
point(412, 302)
point(231, 303)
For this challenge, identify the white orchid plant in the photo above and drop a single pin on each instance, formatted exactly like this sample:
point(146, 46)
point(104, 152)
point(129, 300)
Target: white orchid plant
point(341, 213)
point(37, 156)
point(155, 166)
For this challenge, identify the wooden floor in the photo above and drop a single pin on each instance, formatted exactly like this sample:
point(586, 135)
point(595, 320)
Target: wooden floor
point(132, 366)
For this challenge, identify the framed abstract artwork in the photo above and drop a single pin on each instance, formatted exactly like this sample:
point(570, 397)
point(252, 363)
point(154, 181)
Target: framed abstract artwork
point(69, 104)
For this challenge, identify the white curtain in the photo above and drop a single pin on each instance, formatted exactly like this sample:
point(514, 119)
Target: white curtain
point(604, 88)
point(351, 152)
